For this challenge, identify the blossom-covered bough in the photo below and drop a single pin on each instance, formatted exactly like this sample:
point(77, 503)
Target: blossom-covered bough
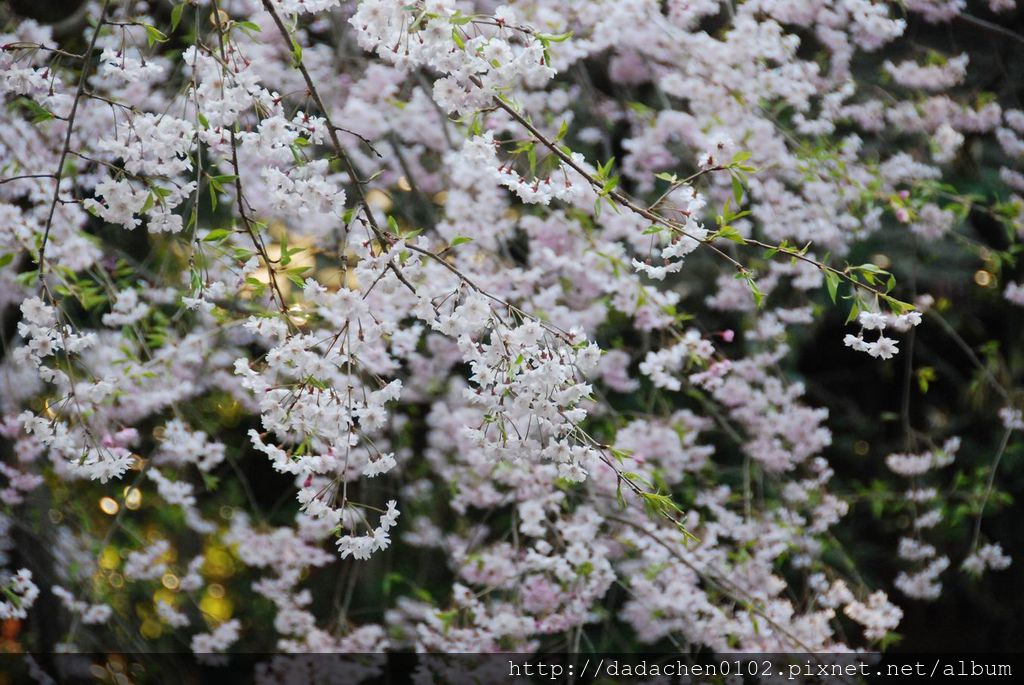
point(462, 282)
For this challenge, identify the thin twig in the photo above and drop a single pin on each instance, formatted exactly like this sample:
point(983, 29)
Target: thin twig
point(59, 175)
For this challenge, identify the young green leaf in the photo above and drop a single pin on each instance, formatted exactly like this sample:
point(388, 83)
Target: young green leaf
point(832, 282)
point(176, 16)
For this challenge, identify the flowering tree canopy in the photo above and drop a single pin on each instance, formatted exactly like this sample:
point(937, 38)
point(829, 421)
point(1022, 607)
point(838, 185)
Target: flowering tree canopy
point(457, 326)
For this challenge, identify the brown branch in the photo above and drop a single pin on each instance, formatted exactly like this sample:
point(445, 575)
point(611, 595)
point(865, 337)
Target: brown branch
point(25, 176)
point(339, 150)
point(240, 198)
point(674, 226)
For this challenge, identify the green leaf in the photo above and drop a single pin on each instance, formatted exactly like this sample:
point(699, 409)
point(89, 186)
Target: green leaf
point(27, 277)
point(295, 275)
point(154, 35)
point(176, 16)
point(869, 267)
point(730, 233)
point(756, 292)
point(832, 282)
point(460, 240)
point(458, 39)
point(737, 190)
point(925, 376)
point(216, 234)
point(38, 112)
point(854, 311)
point(6, 259)
point(562, 131)
point(555, 38)
point(609, 185)
point(217, 182)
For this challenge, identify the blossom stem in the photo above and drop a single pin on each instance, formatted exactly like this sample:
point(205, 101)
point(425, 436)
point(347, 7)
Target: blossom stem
point(59, 175)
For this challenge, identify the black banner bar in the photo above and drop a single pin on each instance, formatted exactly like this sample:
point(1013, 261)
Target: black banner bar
point(487, 669)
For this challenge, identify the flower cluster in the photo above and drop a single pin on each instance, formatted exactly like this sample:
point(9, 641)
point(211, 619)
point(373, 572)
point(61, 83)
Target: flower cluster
point(20, 594)
point(882, 347)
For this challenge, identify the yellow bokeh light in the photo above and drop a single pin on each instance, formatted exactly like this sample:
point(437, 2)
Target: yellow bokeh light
point(218, 562)
point(220, 19)
point(217, 608)
point(983, 278)
point(329, 277)
point(304, 257)
point(151, 629)
point(109, 559)
point(298, 315)
point(132, 498)
point(108, 506)
point(170, 581)
point(378, 200)
point(216, 590)
point(230, 411)
point(351, 280)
